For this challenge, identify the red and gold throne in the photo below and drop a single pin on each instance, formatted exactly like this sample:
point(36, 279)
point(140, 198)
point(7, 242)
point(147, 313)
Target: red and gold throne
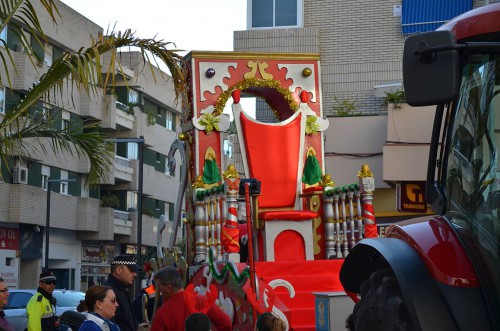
point(273, 154)
point(287, 225)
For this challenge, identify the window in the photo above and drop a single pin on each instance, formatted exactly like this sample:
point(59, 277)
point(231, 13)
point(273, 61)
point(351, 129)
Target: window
point(3, 36)
point(471, 160)
point(64, 185)
point(131, 200)
point(275, 13)
point(133, 97)
point(84, 189)
point(45, 177)
point(167, 170)
point(47, 59)
point(65, 118)
point(65, 125)
point(169, 124)
point(132, 151)
point(228, 148)
point(18, 300)
point(2, 100)
point(170, 209)
point(45, 114)
point(41, 113)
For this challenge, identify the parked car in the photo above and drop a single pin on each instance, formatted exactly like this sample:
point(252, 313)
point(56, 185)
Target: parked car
point(15, 311)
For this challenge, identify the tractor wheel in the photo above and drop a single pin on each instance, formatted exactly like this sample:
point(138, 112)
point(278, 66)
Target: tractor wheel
point(382, 306)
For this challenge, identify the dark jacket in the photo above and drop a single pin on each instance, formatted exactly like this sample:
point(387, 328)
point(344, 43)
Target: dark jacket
point(150, 292)
point(124, 316)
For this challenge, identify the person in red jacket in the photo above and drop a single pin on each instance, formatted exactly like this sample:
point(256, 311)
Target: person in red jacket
point(172, 314)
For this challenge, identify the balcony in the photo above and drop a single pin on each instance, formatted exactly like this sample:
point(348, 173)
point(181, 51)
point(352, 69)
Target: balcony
point(26, 203)
point(26, 73)
point(111, 223)
point(154, 134)
point(122, 225)
point(123, 169)
point(91, 106)
point(149, 230)
point(351, 141)
point(406, 152)
point(123, 119)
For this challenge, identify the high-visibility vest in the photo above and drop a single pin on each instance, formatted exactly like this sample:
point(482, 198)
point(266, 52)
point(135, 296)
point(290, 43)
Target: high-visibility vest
point(150, 291)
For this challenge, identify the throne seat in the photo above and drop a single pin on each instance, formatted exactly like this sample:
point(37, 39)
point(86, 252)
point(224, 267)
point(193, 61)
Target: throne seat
point(273, 154)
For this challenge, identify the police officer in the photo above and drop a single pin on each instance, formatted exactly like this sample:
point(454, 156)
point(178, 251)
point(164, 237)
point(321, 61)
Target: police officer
point(123, 272)
point(150, 293)
point(41, 308)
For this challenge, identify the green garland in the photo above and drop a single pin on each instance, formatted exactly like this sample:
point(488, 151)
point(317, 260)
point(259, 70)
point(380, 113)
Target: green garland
point(258, 83)
point(228, 267)
point(340, 189)
point(201, 194)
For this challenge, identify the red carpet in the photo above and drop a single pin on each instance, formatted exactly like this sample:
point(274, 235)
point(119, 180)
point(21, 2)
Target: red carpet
point(306, 277)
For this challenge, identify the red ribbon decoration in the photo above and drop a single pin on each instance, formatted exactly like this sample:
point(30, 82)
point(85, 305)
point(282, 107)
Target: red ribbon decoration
point(191, 297)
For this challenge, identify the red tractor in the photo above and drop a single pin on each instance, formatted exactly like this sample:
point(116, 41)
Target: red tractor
point(443, 272)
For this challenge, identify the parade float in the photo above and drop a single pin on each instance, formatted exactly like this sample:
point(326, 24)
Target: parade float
point(267, 228)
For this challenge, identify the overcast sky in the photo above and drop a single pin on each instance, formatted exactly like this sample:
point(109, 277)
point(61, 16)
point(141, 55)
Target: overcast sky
point(199, 25)
point(191, 24)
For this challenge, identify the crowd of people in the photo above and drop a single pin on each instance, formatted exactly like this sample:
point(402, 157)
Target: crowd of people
point(108, 307)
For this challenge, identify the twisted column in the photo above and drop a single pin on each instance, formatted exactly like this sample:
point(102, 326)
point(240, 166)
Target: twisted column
point(367, 187)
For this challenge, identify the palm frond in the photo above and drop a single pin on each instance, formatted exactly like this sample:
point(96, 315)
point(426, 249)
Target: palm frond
point(22, 16)
point(86, 74)
point(85, 142)
point(79, 70)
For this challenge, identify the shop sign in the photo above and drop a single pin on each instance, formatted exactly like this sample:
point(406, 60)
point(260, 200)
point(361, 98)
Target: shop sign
point(10, 279)
point(9, 238)
point(96, 252)
point(411, 197)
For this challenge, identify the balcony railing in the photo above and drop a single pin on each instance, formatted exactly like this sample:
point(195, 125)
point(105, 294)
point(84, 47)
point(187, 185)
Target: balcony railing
point(124, 162)
point(122, 223)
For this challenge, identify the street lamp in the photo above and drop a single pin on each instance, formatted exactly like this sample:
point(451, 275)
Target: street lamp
point(47, 219)
point(140, 156)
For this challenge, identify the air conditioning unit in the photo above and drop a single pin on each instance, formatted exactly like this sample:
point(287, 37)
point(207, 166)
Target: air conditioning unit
point(20, 175)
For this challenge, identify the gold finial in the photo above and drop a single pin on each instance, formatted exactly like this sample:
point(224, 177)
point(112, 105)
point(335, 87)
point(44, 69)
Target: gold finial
point(199, 182)
point(365, 171)
point(182, 136)
point(327, 181)
point(230, 172)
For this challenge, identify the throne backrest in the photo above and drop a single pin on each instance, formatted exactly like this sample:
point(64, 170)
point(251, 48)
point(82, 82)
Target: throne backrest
point(273, 153)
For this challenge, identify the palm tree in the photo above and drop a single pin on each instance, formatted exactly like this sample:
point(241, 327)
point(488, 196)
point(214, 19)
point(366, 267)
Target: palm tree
point(20, 134)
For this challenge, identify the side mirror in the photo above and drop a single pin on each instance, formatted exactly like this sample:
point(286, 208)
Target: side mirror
point(431, 68)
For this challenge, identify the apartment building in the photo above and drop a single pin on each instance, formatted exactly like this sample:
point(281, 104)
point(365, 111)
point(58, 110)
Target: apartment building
point(88, 225)
point(360, 45)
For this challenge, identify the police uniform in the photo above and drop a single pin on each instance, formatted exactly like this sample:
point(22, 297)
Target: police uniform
point(150, 292)
point(41, 308)
point(124, 315)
